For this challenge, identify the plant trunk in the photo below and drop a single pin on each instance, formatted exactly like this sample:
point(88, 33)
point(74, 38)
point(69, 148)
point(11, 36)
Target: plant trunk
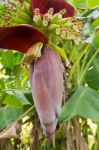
point(5, 144)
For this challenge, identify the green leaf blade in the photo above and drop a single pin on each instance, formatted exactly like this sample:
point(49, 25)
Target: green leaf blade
point(8, 115)
point(84, 102)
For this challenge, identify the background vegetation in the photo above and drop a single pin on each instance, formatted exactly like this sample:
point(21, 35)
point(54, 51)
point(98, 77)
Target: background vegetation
point(78, 127)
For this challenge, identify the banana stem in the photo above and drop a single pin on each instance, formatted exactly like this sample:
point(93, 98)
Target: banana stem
point(86, 47)
point(59, 51)
point(87, 66)
point(84, 62)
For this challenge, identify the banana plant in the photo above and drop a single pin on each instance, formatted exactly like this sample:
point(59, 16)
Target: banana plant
point(44, 64)
point(61, 51)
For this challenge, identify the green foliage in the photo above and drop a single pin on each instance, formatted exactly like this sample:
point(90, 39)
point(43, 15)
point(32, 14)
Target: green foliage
point(17, 98)
point(12, 76)
point(96, 40)
point(80, 3)
point(92, 3)
point(85, 3)
point(92, 76)
point(84, 102)
point(8, 115)
point(10, 59)
point(2, 9)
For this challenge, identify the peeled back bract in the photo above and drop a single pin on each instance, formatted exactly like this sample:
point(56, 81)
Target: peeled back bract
point(46, 76)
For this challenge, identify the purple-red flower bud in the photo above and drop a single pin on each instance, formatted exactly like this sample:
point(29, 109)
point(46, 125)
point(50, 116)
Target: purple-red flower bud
point(57, 5)
point(46, 76)
point(20, 37)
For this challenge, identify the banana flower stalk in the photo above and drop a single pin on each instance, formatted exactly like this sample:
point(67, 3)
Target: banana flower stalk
point(45, 67)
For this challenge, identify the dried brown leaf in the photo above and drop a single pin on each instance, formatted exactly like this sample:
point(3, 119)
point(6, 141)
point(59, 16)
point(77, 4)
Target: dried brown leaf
point(11, 132)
